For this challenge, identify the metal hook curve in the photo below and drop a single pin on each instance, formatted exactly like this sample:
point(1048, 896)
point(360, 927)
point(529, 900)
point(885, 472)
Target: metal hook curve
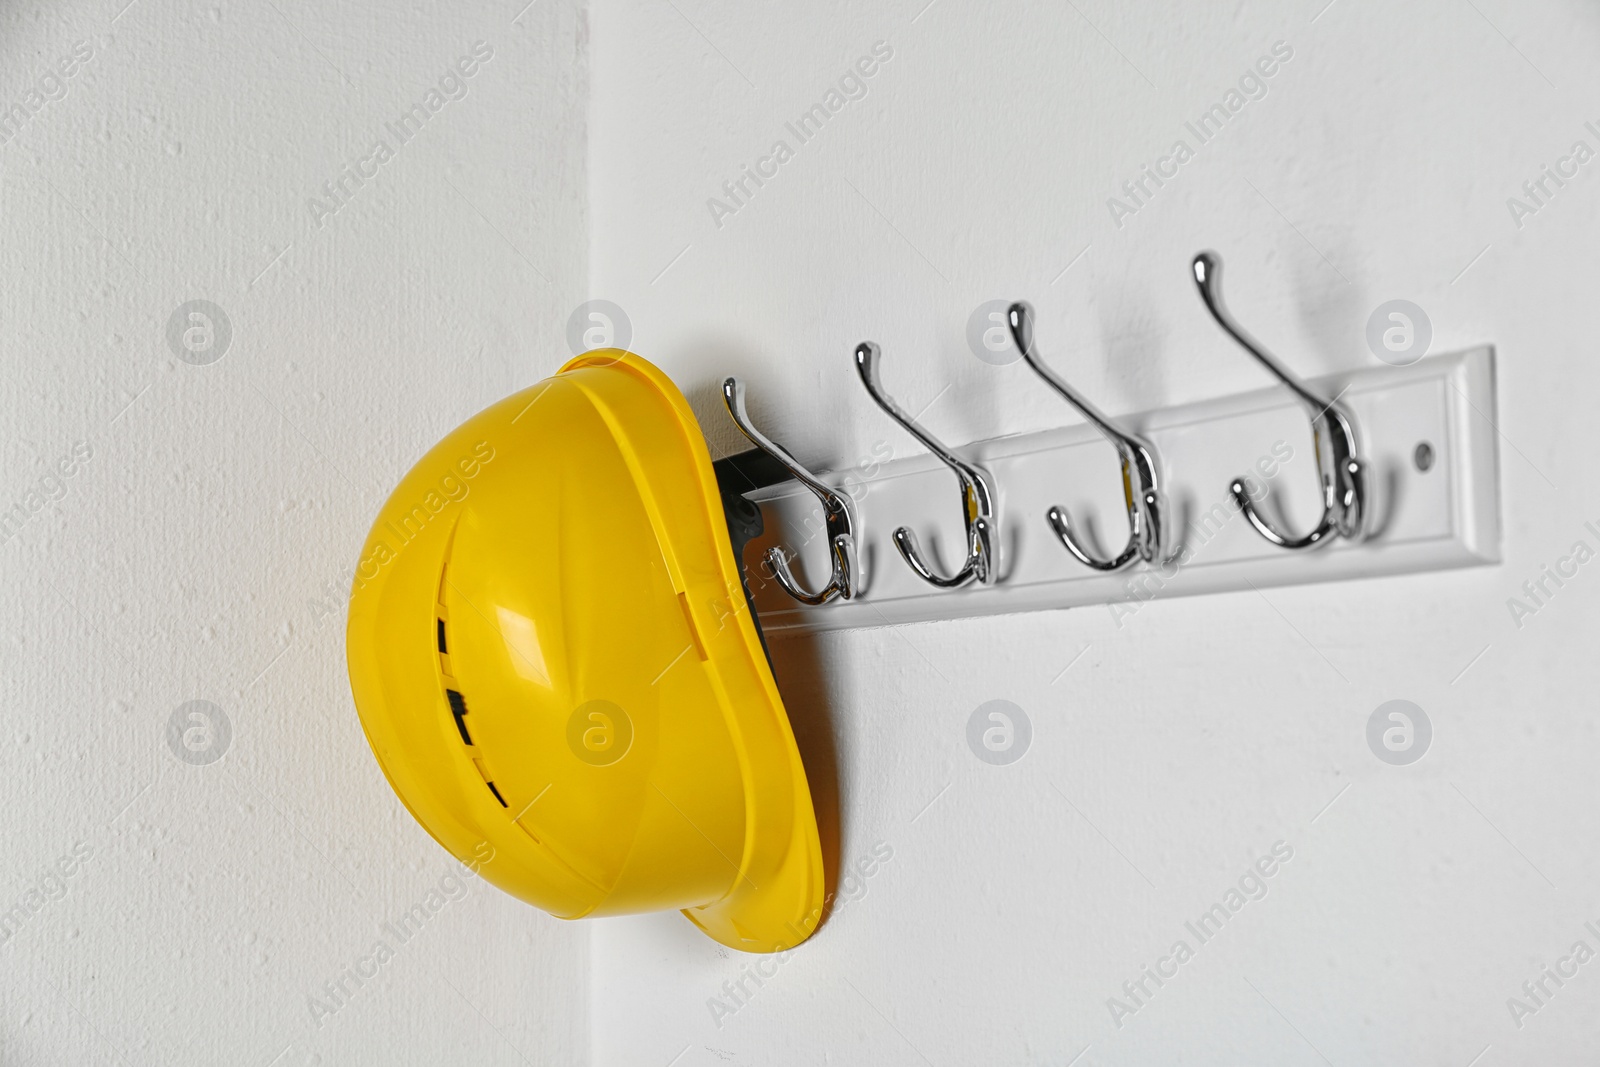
point(977, 492)
point(1343, 471)
point(837, 513)
point(1140, 479)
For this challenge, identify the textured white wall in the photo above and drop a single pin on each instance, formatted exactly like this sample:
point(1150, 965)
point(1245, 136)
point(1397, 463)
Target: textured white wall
point(202, 549)
point(1178, 749)
point(191, 555)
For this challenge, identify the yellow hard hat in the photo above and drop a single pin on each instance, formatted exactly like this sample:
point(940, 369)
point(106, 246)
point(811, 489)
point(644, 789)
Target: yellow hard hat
point(555, 662)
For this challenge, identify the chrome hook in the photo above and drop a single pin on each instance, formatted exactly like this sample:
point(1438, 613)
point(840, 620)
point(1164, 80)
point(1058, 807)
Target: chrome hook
point(977, 492)
point(838, 515)
point(1344, 473)
point(1140, 488)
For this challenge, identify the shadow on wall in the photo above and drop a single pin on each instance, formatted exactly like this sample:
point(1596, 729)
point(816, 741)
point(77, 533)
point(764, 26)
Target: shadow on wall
point(796, 662)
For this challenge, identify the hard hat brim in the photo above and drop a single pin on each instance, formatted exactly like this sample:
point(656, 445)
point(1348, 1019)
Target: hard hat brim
point(777, 899)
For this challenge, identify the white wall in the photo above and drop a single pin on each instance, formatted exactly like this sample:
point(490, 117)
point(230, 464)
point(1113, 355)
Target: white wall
point(184, 558)
point(221, 503)
point(1180, 747)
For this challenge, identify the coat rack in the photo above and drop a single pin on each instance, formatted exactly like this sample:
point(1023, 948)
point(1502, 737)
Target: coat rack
point(1406, 459)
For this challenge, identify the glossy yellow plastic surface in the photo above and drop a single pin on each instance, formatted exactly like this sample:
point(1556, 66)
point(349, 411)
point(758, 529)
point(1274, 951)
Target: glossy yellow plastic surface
point(555, 665)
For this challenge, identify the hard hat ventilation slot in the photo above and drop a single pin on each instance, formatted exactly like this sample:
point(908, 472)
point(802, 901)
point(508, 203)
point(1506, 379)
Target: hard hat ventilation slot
point(483, 772)
point(458, 708)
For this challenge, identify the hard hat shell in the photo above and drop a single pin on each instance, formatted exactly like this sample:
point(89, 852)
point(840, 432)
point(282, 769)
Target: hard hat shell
point(556, 666)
